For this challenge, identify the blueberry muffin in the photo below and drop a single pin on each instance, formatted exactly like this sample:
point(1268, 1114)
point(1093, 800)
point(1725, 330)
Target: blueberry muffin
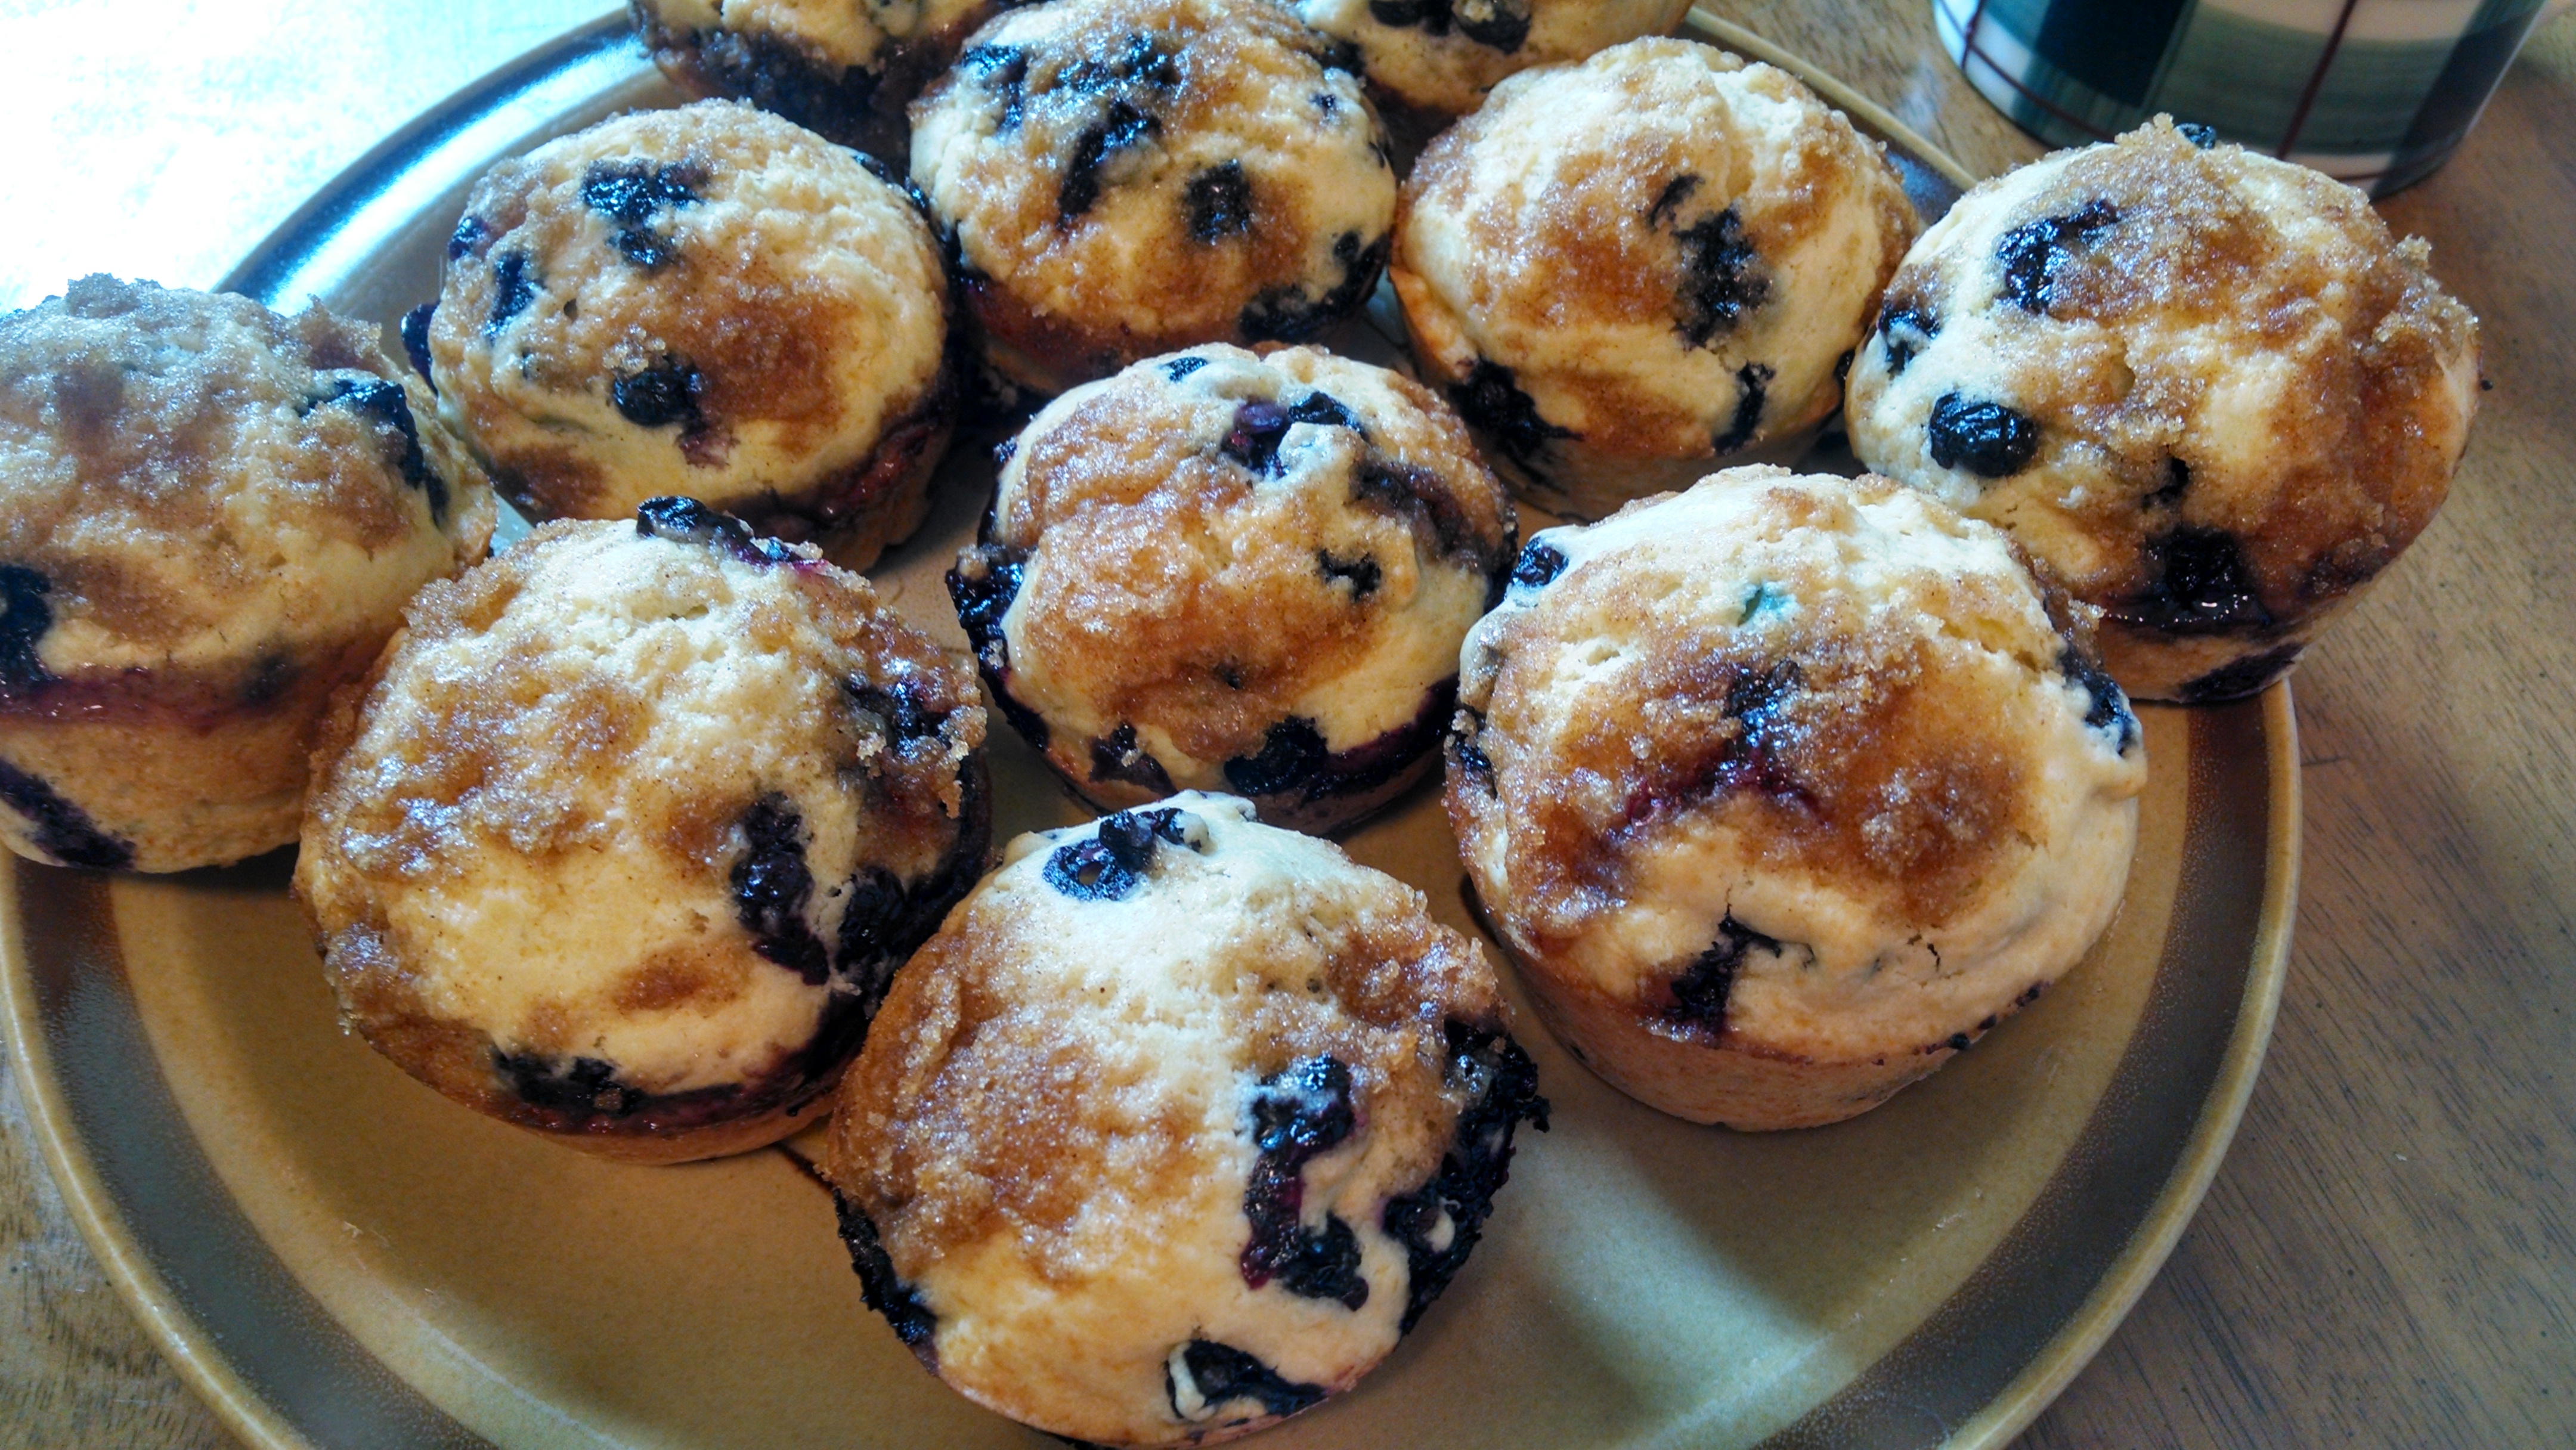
point(1624, 269)
point(2205, 388)
point(708, 302)
point(1428, 61)
point(1175, 1127)
point(210, 517)
point(1121, 178)
point(628, 829)
point(844, 68)
point(1784, 790)
point(1234, 572)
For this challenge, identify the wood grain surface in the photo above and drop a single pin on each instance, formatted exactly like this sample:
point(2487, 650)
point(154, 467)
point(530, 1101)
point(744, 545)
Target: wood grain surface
point(2388, 1257)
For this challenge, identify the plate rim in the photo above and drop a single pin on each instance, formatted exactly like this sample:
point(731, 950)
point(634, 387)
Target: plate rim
point(2178, 1202)
point(182, 1340)
point(197, 1357)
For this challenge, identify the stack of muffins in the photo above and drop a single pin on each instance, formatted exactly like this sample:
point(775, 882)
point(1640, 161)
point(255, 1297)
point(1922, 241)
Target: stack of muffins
point(660, 830)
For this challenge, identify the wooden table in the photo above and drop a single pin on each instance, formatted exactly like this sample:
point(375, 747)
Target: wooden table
point(2388, 1257)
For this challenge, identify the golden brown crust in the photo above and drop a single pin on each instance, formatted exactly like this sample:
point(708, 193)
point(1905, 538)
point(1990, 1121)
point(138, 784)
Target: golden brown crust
point(693, 1145)
point(181, 794)
point(762, 343)
point(157, 439)
point(759, 336)
point(1731, 1080)
point(470, 730)
point(168, 449)
point(383, 1000)
point(1080, 1144)
point(1232, 570)
point(2368, 474)
point(877, 502)
point(800, 74)
point(978, 1110)
point(1771, 783)
point(214, 515)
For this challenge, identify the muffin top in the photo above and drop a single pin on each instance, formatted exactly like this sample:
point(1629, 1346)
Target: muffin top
point(710, 302)
point(1147, 174)
point(841, 33)
point(634, 794)
point(2206, 387)
point(1825, 712)
point(1666, 249)
point(1157, 1090)
point(1212, 543)
point(1444, 56)
point(198, 487)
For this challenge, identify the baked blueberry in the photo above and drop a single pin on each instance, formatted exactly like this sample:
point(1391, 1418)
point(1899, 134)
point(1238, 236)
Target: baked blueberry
point(1983, 438)
point(1428, 61)
point(1220, 202)
point(2031, 255)
point(1491, 399)
point(845, 69)
point(1905, 327)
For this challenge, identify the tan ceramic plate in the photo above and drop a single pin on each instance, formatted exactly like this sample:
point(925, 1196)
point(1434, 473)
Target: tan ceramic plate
point(334, 1255)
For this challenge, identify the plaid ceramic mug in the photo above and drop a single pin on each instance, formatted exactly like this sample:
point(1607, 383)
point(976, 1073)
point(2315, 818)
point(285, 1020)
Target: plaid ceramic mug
point(2373, 92)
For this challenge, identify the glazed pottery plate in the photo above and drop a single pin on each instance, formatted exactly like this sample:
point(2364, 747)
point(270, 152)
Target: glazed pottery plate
point(334, 1255)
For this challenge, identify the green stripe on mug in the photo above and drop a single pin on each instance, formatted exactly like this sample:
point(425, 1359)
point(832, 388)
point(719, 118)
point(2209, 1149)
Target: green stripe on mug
point(2374, 92)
